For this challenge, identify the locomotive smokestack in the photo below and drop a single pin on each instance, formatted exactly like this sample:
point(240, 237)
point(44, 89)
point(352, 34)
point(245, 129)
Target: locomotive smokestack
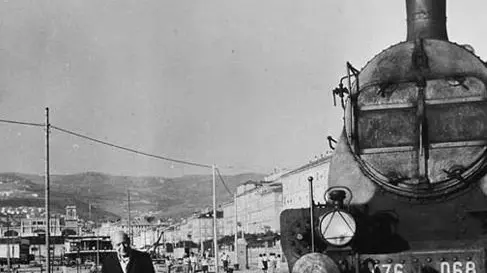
point(426, 19)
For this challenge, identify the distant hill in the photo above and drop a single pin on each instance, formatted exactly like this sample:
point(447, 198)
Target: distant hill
point(158, 196)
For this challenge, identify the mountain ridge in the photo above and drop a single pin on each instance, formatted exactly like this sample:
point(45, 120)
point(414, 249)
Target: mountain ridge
point(157, 196)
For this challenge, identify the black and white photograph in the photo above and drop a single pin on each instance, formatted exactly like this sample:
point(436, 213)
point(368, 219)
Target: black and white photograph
point(222, 136)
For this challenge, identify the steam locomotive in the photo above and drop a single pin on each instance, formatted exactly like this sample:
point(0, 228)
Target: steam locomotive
point(407, 181)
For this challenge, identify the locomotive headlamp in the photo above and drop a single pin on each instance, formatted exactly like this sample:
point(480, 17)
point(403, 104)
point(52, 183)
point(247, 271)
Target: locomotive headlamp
point(337, 227)
point(337, 197)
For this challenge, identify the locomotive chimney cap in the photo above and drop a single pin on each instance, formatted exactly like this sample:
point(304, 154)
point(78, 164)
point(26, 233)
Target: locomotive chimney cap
point(426, 19)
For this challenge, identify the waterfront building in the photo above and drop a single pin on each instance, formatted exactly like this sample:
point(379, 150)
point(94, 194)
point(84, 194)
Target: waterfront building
point(146, 238)
point(259, 204)
point(295, 184)
point(27, 225)
point(67, 224)
point(228, 209)
point(37, 225)
point(259, 207)
point(197, 228)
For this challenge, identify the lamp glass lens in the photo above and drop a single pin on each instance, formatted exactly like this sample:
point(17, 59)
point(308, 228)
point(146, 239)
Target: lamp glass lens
point(338, 228)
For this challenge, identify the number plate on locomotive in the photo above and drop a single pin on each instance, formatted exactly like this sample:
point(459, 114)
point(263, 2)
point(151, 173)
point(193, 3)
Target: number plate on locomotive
point(441, 261)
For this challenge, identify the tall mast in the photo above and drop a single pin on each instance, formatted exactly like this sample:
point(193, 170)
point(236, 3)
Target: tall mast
point(215, 222)
point(48, 220)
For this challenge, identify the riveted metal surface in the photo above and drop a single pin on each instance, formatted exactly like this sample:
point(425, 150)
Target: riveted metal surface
point(380, 129)
point(403, 165)
point(447, 59)
point(442, 261)
point(451, 88)
point(408, 132)
point(457, 122)
point(386, 94)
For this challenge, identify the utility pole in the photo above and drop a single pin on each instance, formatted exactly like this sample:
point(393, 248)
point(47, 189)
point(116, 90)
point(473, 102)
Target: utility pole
point(202, 248)
point(48, 220)
point(236, 229)
point(128, 221)
point(215, 238)
point(8, 243)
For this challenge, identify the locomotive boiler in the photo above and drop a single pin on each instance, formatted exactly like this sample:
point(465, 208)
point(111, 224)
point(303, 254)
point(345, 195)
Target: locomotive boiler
point(407, 186)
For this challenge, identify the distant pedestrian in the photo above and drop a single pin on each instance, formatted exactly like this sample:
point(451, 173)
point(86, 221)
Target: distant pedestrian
point(204, 264)
point(262, 263)
point(265, 261)
point(193, 261)
point(272, 263)
point(224, 258)
point(278, 263)
point(186, 263)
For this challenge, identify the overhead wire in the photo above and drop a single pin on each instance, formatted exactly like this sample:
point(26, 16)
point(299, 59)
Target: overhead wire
point(22, 123)
point(130, 149)
point(120, 147)
point(223, 182)
point(185, 162)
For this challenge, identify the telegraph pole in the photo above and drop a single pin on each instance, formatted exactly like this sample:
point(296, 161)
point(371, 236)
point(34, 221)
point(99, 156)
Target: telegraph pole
point(128, 222)
point(48, 220)
point(202, 249)
point(215, 238)
point(8, 243)
point(236, 229)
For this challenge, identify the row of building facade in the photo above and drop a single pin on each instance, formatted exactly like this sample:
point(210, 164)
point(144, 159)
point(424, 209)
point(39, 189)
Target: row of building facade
point(256, 207)
point(23, 226)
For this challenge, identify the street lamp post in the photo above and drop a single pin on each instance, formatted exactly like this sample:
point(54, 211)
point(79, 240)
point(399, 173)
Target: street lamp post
point(311, 210)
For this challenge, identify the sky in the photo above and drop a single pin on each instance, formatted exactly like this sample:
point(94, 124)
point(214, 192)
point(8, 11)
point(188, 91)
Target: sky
point(242, 84)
